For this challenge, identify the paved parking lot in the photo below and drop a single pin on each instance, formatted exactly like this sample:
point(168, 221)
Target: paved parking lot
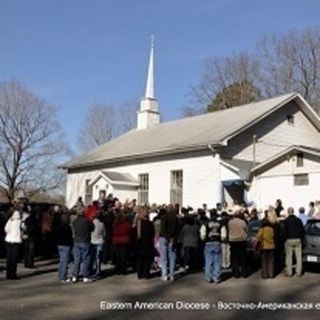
point(38, 295)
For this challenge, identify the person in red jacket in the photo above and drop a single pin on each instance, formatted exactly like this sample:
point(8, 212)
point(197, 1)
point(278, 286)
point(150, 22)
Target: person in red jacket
point(121, 234)
point(91, 211)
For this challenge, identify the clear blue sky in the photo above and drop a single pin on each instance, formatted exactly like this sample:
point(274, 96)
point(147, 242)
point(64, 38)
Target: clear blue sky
point(72, 52)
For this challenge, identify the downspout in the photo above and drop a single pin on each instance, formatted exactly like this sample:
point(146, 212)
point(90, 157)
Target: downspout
point(219, 185)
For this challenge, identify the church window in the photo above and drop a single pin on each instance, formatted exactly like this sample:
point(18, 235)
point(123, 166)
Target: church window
point(176, 190)
point(88, 193)
point(143, 190)
point(301, 179)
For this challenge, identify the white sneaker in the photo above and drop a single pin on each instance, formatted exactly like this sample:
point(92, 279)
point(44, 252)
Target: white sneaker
point(65, 280)
point(87, 280)
point(74, 279)
point(165, 278)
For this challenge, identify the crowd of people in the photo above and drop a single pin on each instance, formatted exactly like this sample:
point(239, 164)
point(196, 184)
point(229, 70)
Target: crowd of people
point(26, 232)
point(162, 238)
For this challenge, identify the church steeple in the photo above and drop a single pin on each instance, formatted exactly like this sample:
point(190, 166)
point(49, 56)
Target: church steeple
point(148, 115)
point(149, 87)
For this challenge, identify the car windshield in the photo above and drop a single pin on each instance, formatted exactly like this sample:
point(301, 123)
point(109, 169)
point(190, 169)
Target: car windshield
point(313, 228)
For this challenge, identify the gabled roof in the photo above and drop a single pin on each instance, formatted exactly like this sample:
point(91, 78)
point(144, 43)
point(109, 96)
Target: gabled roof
point(192, 133)
point(288, 151)
point(115, 178)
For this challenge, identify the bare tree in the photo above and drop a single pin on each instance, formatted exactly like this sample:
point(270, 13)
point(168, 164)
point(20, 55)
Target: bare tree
point(292, 63)
point(236, 94)
point(189, 111)
point(221, 73)
point(98, 126)
point(30, 142)
point(281, 64)
point(128, 115)
point(104, 122)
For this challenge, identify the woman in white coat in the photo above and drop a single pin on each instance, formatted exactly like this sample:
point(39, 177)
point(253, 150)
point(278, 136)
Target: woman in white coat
point(13, 241)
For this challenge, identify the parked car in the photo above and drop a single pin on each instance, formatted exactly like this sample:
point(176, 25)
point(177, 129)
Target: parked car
point(311, 250)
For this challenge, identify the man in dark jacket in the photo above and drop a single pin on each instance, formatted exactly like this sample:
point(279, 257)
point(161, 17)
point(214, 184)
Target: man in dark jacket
point(32, 231)
point(294, 235)
point(189, 238)
point(169, 233)
point(143, 233)
point(64, 243)
point(82, 229)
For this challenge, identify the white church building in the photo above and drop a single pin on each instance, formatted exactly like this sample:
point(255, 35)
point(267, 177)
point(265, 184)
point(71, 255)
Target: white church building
point(257, 152)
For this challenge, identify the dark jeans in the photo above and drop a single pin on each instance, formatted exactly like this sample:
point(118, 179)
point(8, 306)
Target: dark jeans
point(267, 263)
point(200, 255)
point(131, 257)
point(64, 255)
point(29, 253)
point(143, 266)
point(190, 258)
point(81, 252)
point(120, 256)
point(106, 252)
point(12, 259)
point(179, 254)
point(48, 245)
point(238, 258)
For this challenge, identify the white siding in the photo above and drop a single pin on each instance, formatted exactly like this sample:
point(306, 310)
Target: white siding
point(202, 174)
point(125, 193)
point(76, 184)
point(289, 166)
point(201, 180)
point(275, 135)
point(278, 182)
point(101, 184)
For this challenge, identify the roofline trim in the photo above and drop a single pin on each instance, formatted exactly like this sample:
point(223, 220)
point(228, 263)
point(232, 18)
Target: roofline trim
point(261, 117)
point(281, 154)
point(314, 116)
point(101, 174)
point(229, 166)
point(302, 103)
point(141, 156)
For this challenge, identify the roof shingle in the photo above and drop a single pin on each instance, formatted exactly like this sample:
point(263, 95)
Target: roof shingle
point(193, 132)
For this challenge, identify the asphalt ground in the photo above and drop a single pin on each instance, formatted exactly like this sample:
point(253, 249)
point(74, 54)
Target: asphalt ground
point(39, 295)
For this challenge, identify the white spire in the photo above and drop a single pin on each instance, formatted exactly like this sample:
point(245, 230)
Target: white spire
point(149, 116)
point(150, 87)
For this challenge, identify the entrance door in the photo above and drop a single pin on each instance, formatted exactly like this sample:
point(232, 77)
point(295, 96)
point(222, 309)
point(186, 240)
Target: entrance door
point(234, 191)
